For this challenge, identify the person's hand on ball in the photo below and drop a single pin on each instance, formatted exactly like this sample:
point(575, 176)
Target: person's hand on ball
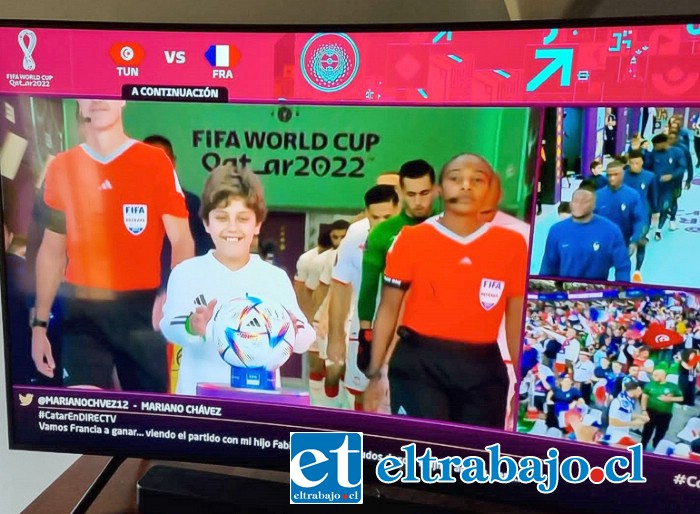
point(200, 318)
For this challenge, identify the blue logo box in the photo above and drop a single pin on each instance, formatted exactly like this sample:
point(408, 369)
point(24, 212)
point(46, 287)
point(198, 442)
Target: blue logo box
point(325, 467)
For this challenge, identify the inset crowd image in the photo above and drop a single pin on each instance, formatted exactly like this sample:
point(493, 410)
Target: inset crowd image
point(612, 365)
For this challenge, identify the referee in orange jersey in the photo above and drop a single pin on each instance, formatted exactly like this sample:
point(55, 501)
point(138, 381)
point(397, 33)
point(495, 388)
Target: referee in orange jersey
point(110, 203)
point(459, 275)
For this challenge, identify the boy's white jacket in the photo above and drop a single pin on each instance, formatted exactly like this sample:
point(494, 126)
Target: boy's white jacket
point(195, 282)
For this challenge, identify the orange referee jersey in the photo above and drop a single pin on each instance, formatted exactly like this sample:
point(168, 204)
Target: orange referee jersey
point(457, 286)
point(113, 209)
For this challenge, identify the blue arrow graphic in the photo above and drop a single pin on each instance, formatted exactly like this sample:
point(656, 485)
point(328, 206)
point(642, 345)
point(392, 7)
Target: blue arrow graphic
point(442, 34)
point(562, 58)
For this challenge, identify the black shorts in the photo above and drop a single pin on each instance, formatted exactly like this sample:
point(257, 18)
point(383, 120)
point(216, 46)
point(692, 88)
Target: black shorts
point(101, 336)
point(447, 380)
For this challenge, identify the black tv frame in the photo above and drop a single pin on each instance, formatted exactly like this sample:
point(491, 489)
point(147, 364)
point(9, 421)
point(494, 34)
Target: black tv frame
point(118, 455)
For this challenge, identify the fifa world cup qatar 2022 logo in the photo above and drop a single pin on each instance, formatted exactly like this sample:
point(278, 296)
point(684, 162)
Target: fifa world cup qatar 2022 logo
point(330, 61)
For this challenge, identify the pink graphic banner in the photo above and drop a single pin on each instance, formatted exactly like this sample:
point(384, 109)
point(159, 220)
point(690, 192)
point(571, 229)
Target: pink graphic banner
point(634, 64)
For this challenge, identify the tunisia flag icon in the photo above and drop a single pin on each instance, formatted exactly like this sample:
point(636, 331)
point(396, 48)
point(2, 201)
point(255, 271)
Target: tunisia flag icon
point(657, 337)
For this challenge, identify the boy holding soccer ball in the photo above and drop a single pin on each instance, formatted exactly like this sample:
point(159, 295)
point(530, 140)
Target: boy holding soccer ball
point(232, 209)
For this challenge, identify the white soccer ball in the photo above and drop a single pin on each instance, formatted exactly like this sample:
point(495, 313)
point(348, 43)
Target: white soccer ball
point(253, 333)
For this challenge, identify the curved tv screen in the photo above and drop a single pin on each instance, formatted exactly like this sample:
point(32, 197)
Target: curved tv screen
point(416, 256)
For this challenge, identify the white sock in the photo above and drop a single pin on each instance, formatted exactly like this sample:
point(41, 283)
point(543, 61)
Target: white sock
point(348, 399)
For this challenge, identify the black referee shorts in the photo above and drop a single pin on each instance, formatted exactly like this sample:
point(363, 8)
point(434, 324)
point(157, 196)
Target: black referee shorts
point(101, 335)
point(446, 380)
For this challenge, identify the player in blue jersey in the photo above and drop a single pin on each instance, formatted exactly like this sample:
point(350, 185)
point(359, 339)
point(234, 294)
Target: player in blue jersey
point(676, 124)
point(644, 182)
point(622, 205)
point(668, 164)
point(676, 144)
point(585, 245)
point(675, 141)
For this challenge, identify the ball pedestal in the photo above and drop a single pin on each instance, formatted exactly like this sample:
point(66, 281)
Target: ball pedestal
point(254, 384)
point(283, 395)
point(253, 378)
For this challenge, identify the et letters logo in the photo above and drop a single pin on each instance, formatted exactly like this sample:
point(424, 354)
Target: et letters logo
point(325, 467)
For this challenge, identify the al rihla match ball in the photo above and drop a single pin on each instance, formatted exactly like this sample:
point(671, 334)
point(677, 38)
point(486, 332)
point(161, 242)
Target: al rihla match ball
point(253, 333)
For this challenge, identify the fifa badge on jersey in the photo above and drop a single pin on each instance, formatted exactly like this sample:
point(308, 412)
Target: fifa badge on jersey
point(596, 246)
point(490, 292)
point(135, 217)
point(644, 186)
point(623, 207)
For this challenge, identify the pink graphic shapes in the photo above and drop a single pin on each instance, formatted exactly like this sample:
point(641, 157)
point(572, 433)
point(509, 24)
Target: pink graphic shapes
point(407, 67)
point(675, 81)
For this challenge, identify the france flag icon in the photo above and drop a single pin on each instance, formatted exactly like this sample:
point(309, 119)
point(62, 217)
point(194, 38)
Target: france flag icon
point(222, 56)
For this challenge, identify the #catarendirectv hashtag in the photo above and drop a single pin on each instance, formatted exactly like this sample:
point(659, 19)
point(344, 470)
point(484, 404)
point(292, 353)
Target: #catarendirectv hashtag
point(679, 479)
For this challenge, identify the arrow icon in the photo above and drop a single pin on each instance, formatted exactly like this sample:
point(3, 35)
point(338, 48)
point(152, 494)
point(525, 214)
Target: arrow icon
point(561, 58)
point(442, 34)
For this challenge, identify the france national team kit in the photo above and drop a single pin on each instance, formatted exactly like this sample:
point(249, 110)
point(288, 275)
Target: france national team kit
point(687, 159)
point(624, 208)
point(666, 162)
point(586, 250)
point(645, 183)
point(684, 136)
point(600, 181)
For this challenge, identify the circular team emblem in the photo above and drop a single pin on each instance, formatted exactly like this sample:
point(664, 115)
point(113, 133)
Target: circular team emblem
point(329, 62)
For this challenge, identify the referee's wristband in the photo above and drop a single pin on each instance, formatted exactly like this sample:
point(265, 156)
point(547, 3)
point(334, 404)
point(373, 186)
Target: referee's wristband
point(37, 323)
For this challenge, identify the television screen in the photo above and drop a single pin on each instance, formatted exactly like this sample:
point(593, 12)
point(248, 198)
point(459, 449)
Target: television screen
point(472, 245)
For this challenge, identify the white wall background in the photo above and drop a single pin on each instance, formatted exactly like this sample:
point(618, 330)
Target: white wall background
point(23, 475)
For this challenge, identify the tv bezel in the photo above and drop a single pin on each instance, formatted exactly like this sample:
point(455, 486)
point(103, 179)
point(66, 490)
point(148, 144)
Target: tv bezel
point(197, 27)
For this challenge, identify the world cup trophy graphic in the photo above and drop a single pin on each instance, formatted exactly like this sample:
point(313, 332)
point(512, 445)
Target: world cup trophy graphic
point(27, 47)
